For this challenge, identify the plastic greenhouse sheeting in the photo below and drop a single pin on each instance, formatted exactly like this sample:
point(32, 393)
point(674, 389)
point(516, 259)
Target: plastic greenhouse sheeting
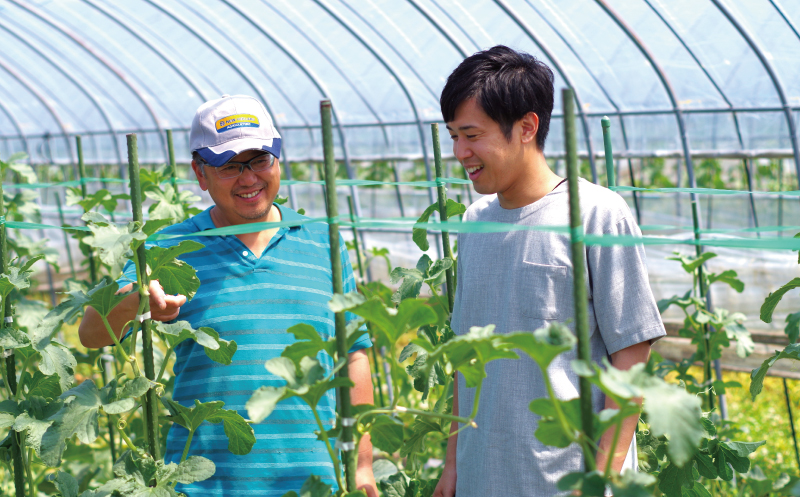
point(726, 69)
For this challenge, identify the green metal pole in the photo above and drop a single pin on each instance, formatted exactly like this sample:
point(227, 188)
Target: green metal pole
point(172, 166)
point(82, 176)
point(791, 420)
point(150, 400)
point(349, 454)
point(610, 172)
point(442, 194)
point(579, 271)
point(11, 365)
point(66, 237)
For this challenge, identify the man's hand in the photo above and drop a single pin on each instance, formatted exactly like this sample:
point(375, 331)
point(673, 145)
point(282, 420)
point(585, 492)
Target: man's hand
point(164, 307)
point(365, 480)
point(447, 483)
point(93, 332)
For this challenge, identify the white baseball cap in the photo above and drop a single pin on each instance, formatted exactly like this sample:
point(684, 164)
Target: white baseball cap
point(223, 128)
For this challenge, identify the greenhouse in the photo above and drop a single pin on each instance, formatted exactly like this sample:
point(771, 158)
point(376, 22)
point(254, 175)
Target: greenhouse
point(688, 110)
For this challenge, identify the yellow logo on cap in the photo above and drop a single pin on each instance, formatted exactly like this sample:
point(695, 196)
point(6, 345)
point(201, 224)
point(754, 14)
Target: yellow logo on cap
point(237, 121)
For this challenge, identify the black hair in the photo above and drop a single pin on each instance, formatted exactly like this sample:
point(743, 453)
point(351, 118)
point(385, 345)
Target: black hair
point(506, 84)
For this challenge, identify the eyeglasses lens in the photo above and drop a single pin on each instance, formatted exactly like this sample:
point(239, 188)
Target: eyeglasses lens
point(234, 169)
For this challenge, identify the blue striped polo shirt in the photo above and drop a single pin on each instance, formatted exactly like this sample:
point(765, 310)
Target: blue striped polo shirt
point(254, 300)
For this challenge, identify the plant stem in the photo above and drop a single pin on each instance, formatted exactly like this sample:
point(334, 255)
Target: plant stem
point(21, 374)
point(612, 453)
point(562, 419)
point(395, 383)
point(188, 444)
point(31, 485)
point(164, 364)
point(127, 439)
point(119, 346)
point(417, 412)
point(377, 373)
point(323, 433)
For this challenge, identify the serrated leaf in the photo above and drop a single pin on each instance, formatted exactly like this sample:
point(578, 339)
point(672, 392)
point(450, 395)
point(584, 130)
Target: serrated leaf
point(9, 410)
point(411, 285)
point(111, 243)
point(44, 386)
point(792, 329)
point(768, 307)
point(315, 487)
point(15, 279)
point(411, 314)
point(420, 428)
point(263, 402)
point(175, 276)
point(340, 303)
point(217, 349)
point(420, 235)
point(104, 297)
point(673, 478)
point(12, 338)
point(241, 436)
point(386, 433)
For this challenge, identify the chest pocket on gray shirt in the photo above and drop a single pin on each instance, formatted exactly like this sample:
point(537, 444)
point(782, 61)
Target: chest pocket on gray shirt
point(545, 290)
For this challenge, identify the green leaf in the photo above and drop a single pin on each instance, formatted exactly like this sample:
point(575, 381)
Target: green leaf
point(15, 279)
point(241, 436)
point(729, 277)
point(174, 275)
point(691, 263)
point(315, 487)
point(217, 349)
point(792, 329)
point(383, 468)
point(44, 386)
point(340, 302)
point(411, 286)
point(757, 376)
point(12, 338)
point(768, 307)
point(549, 430)
point(111, 242)
point(544, 344)
point(395, 486)
point(393, 323)
point(66, 484)
point(673, 478)
point(104, 297)
point(420, 428)
point(191, 417)
point(632, 484)
point(9, 410)
point(420, 235)
point(386, 433)
point(263, 402)
point(194, 468)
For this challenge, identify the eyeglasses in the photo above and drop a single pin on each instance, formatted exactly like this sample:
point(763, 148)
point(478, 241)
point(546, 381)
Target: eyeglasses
point(231, 170)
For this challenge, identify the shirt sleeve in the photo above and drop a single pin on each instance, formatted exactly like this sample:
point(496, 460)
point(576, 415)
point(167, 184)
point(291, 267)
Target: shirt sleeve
point(624, 306)
point(349, 286)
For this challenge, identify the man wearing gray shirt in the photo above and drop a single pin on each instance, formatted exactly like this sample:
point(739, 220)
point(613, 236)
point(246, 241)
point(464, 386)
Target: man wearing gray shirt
point(497, 105)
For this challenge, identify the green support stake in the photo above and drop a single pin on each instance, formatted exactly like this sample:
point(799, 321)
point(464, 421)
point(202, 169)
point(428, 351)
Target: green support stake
point(610, 171)
point(442, 194)
point(579, 272)
point(66, 237)
point(82, 176)
point(11, 364)
point(349, 453)
point(150, 399)
point(172, 166)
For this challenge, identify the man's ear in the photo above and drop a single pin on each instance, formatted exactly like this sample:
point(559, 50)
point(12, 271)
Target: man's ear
point(530, 127)
point(198, 171)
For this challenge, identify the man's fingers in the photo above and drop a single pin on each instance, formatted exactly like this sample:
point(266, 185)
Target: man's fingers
point(174, 300)
point(157, 296)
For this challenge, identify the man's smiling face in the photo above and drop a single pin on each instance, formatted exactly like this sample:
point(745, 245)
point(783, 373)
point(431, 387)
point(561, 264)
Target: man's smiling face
point(246, 198)
point(491, 161)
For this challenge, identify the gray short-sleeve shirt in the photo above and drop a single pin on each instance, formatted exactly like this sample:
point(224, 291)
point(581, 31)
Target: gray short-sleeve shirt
point(521, 281)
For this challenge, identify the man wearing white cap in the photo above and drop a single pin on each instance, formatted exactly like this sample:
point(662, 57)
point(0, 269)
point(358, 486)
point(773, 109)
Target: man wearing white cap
point(254, 286)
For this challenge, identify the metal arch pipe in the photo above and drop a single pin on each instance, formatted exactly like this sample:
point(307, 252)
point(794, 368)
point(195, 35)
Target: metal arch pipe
point(161, 55)
point(77, 84)
point(350, 83)
point(222, 55)
point(605, 93)
point(667, 87)
point(21, 80)
point(441, 29)
point(772, 75)
point(102, 60)
point(320, 87)
point(391, 46)
point(785, 17)
point(17, 127)
point(722, 94)
point(560, 68)
point(287, 163)
point(402, 85)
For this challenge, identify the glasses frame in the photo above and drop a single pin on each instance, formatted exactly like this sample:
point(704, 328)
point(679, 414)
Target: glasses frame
point(242, 165)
